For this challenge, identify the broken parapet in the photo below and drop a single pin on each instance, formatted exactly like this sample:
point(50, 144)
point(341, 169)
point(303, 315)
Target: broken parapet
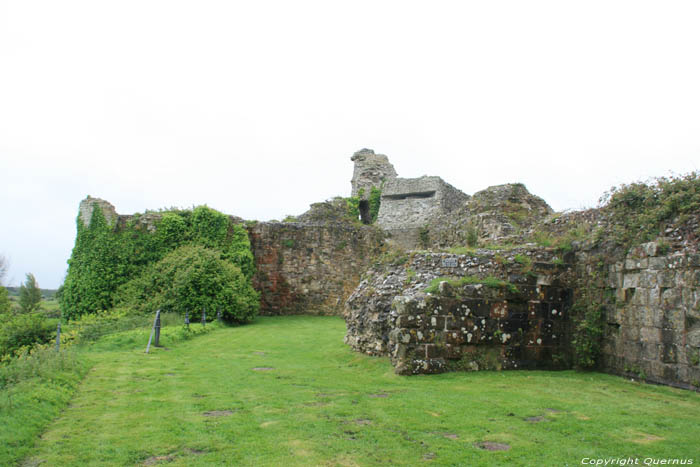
point(371, 170)
point(88, 205)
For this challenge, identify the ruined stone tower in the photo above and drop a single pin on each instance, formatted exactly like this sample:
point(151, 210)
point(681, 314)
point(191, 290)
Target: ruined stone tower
point(371, 170)
point(88, 205)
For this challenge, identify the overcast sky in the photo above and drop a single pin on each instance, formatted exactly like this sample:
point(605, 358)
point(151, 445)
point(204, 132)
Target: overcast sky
point(255, 108)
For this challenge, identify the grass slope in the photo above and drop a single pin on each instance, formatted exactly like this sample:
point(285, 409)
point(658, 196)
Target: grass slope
point(288, 391)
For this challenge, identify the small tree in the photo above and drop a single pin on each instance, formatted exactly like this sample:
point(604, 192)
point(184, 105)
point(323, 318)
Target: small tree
point(29, 295)
point(5, 304)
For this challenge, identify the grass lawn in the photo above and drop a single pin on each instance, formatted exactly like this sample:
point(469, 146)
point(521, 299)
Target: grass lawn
point(287, 391)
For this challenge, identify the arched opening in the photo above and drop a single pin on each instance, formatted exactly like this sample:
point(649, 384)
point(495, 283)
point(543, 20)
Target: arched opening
point(365, 216)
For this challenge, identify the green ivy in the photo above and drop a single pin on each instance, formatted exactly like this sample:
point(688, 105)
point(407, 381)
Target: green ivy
point(353, 205)
point(375, 196)
point(106, 257)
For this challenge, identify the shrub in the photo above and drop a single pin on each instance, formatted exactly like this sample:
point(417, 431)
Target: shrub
point(639, 210)
point(472, 235)
point(588, 332)
point(353, 206)
point(188, 279)
point(24, 330)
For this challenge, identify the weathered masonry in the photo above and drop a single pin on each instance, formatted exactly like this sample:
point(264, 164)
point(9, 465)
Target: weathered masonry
point(409, 204)
point(310, 268)
point(487, 313)
point(653, 317)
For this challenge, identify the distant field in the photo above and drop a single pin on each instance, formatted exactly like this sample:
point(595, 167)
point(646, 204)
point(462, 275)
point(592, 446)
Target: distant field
point(287, 391)
point(45, 293)
point(50, 305)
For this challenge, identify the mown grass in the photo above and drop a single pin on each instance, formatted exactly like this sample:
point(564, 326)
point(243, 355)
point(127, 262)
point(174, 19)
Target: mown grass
point(287, 391)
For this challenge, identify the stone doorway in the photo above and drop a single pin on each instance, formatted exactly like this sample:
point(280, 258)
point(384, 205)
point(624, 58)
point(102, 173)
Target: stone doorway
point(365, 216)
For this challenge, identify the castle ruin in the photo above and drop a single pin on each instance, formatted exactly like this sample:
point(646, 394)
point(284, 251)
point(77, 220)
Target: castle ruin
point(410, 289)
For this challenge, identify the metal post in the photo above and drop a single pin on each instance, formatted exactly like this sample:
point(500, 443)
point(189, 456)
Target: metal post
point(58, 338)
point(157, 327)
point(148, 347)
point(204, 316)
point(187, 319)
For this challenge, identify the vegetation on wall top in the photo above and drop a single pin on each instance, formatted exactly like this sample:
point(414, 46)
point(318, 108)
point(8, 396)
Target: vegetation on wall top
point(640, 210)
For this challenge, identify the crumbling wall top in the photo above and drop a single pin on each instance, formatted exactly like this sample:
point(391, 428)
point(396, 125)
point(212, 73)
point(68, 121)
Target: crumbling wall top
point(371, 170)
point(88, 205)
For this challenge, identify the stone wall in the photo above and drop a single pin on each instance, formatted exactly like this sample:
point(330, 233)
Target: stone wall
point(653, 323)
point(310, 268)
point(523, 322)
point(408, 205)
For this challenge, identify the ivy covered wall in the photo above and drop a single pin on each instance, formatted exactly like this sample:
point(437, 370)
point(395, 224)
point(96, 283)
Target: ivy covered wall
point(181, 260)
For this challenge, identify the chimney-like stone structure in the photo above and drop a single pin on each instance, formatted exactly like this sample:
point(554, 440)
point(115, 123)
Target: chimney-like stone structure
point(88, 205)
point(371, 170)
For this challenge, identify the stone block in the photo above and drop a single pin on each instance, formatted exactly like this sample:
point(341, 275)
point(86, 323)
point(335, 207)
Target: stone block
point(434, 351)
point(650, 351)
point(630, 280)
point(456, 322)
point(400, 351)
point(401, 305)
point(471, 336)
point(649, 248)
point(654, 297)
point(670, 372)
point(693, 337)
point(437, 322)
point(620, 295)
point(454, 337)
point(668, 336)
point(658, 263)
point(648, 279)
point(674, 319)
point(650, 334)
point(429, 366)
point(615, 280)
point(689, 297)
point(670, 298)
point(641, 297)
point(630, 333)
point(652, 316)
point(669, 353)
point(406, 321)
point(453, 352)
